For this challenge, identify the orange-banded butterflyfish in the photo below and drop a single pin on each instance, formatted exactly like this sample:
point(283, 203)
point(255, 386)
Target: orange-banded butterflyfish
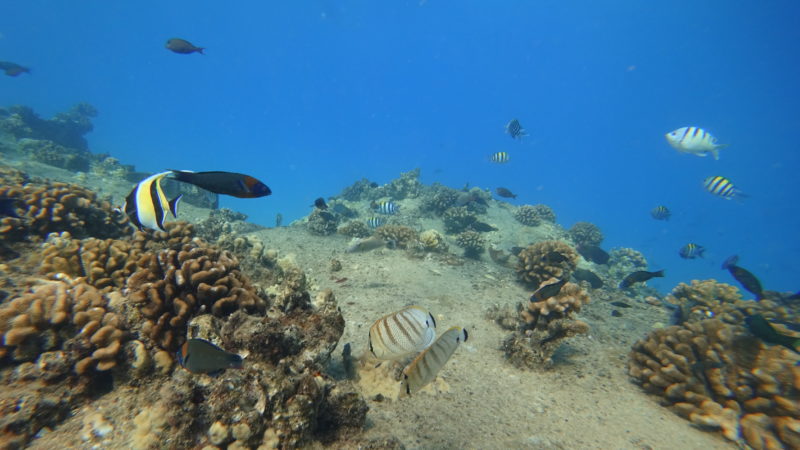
point(146, 205)
point(201, 356)
point(423, 369)
point(226, 183)
point(402, 333)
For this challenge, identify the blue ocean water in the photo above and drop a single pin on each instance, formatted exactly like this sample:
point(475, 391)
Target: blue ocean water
point(312, 96)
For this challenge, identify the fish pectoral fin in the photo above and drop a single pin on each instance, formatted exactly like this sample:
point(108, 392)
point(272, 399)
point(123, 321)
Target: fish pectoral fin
point(173, 205)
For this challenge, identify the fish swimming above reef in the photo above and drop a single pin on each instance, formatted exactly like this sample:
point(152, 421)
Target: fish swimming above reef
point(695, 141)
point(594, 254)
point(744, 277)
point(640, 276)
point(505, 193)
point(226, 183)
point(183, 46)
point(499, 157)
point(723, 187)
point(402, 333)
point(385, 207)
point(660, 212)
point(201, 356)
point(423, 369)
point(147, 206)
point(515, 130)
point(365, 244)
point(588, 276)
point(320, 203)
point(762, 329)
point(548, 290)
point(8, 207)
point(691, 251)
point(375, 222)
point(13, 69)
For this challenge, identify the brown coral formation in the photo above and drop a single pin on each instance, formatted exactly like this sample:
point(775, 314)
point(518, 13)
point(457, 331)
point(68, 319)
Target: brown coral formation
point(585, 233)
point(458, 219)
point(322, 222)
point(472, 242)
point(172, 285)
point(533, 215)
point(545, 260)
point(720, 377)
point(398, 236)
point(355, 228)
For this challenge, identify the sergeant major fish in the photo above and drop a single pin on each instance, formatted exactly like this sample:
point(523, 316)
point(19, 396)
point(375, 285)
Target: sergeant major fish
point(660, 212)
point(402, 333)
point(375, 222)
point(423, 369)
point(385, 207)
point(694, 140)
point(691, 251)
point(499, 157)
point(146, 205)
point(722, 187)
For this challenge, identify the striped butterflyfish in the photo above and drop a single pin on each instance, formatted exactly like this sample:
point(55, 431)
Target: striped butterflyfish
point(722, 187)
point(423, 369)
point(402, 333)
point(515, 130)
point(499, 157)
point(147, 206)
point(694, 140)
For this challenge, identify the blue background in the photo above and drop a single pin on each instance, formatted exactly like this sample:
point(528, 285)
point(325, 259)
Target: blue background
point(311, 96)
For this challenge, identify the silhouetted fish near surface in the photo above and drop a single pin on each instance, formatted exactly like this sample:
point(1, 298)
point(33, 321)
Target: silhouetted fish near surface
point(723, 187)
point(201, 356)
point(691, 251)
point(594, 254)
point(548, 290)
point(589, 276)
point(515, 130)
point(744, 277)
point(505, 193)
point(320, 203)
point(226, 183)
point(660, 212)
point(183, 46)
point(147, 206)
point(639, 276)
point(8, 207)
point(761, 328)
point(13, 69)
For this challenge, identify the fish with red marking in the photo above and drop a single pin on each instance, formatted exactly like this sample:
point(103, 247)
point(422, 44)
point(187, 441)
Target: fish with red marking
point(226, 183)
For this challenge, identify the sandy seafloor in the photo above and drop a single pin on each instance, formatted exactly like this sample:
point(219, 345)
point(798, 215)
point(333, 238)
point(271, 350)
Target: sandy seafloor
point(586, 400)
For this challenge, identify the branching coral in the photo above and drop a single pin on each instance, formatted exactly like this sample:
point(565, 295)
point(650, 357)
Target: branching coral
point(322, 222)
point(407, 186)
point(355, 228)
point(472, 242)
point(718, 376)
point(432, 241)
point(585, 233)
point(534, 215)
point(397, 235)
point(545, 260)
point(457, 219)
point(441, 199)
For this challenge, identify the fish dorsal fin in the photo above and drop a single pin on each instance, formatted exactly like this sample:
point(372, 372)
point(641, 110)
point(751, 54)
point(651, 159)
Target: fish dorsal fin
point(173, 205)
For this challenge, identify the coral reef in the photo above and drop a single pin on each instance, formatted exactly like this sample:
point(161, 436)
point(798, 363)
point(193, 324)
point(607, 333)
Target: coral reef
point(397, 236)
point(355, 228)
point(362, 189)
point(534, 215)
point(109, 167)
point(457, 219)
point(432, 241)
point(622, 261)
point(66, 129)
point(544, 260)
point(441, 199)
point(50, 153)
point(719, 377)
point(585, 233)
point(322, 222)
point(407, 186)
point(223, 221)
point(472, 242)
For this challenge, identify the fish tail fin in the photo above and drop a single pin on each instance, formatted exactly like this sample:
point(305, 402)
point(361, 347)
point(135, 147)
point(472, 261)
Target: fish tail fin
point(715, 153)
point(173, 205)
point(660, 273)
point(235, 361)
point(701, 251)
point(201, 50)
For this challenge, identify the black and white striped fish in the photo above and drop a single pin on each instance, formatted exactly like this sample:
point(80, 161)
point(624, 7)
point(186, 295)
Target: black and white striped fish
point(375, 222)
point(147, 206)
point(515, 130)
point(660, 212)
point(499, 157)
point(722, 187)
point(386, 207)
point(423, 369)
point(694, 140)
point(402, 333)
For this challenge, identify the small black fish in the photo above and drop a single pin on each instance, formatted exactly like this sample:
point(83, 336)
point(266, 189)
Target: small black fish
point(616, 313)
point(621, 304)
point(660, 212)
point(13, 69)
point(589, 276)
point(515, 130)
point(594, 254)
point(744, 277)
point(226, 183)
point(482, 227)
point(505, 193)
point(183, 46)
point(320, 203)
point(679, 315)
point(548, 290)
point(638, 277)
point(761, 328)
point(8, 207)
point(201, 356)
point(516, 250)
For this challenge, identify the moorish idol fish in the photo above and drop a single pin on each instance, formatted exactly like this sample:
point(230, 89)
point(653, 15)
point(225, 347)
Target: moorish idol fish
point(146, 205)
point(402, 333)
point(226, 183)
point(201, 356)
point(423, 369)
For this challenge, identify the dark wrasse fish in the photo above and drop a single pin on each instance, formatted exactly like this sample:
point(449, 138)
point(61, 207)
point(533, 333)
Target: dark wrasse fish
point(320, 203)
point(146, 205)
point(761, 328)
point(226, 183)
point(8, 207)
point(13, 69)
point(515, 130)
point(548, 290)
point(594, 254)
point(183, 46)
point(201, 356)
point(691, 251)
point(505, 193)
point(660, 212)
point(744, 277)
point(639, 276)
point(588, 276)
